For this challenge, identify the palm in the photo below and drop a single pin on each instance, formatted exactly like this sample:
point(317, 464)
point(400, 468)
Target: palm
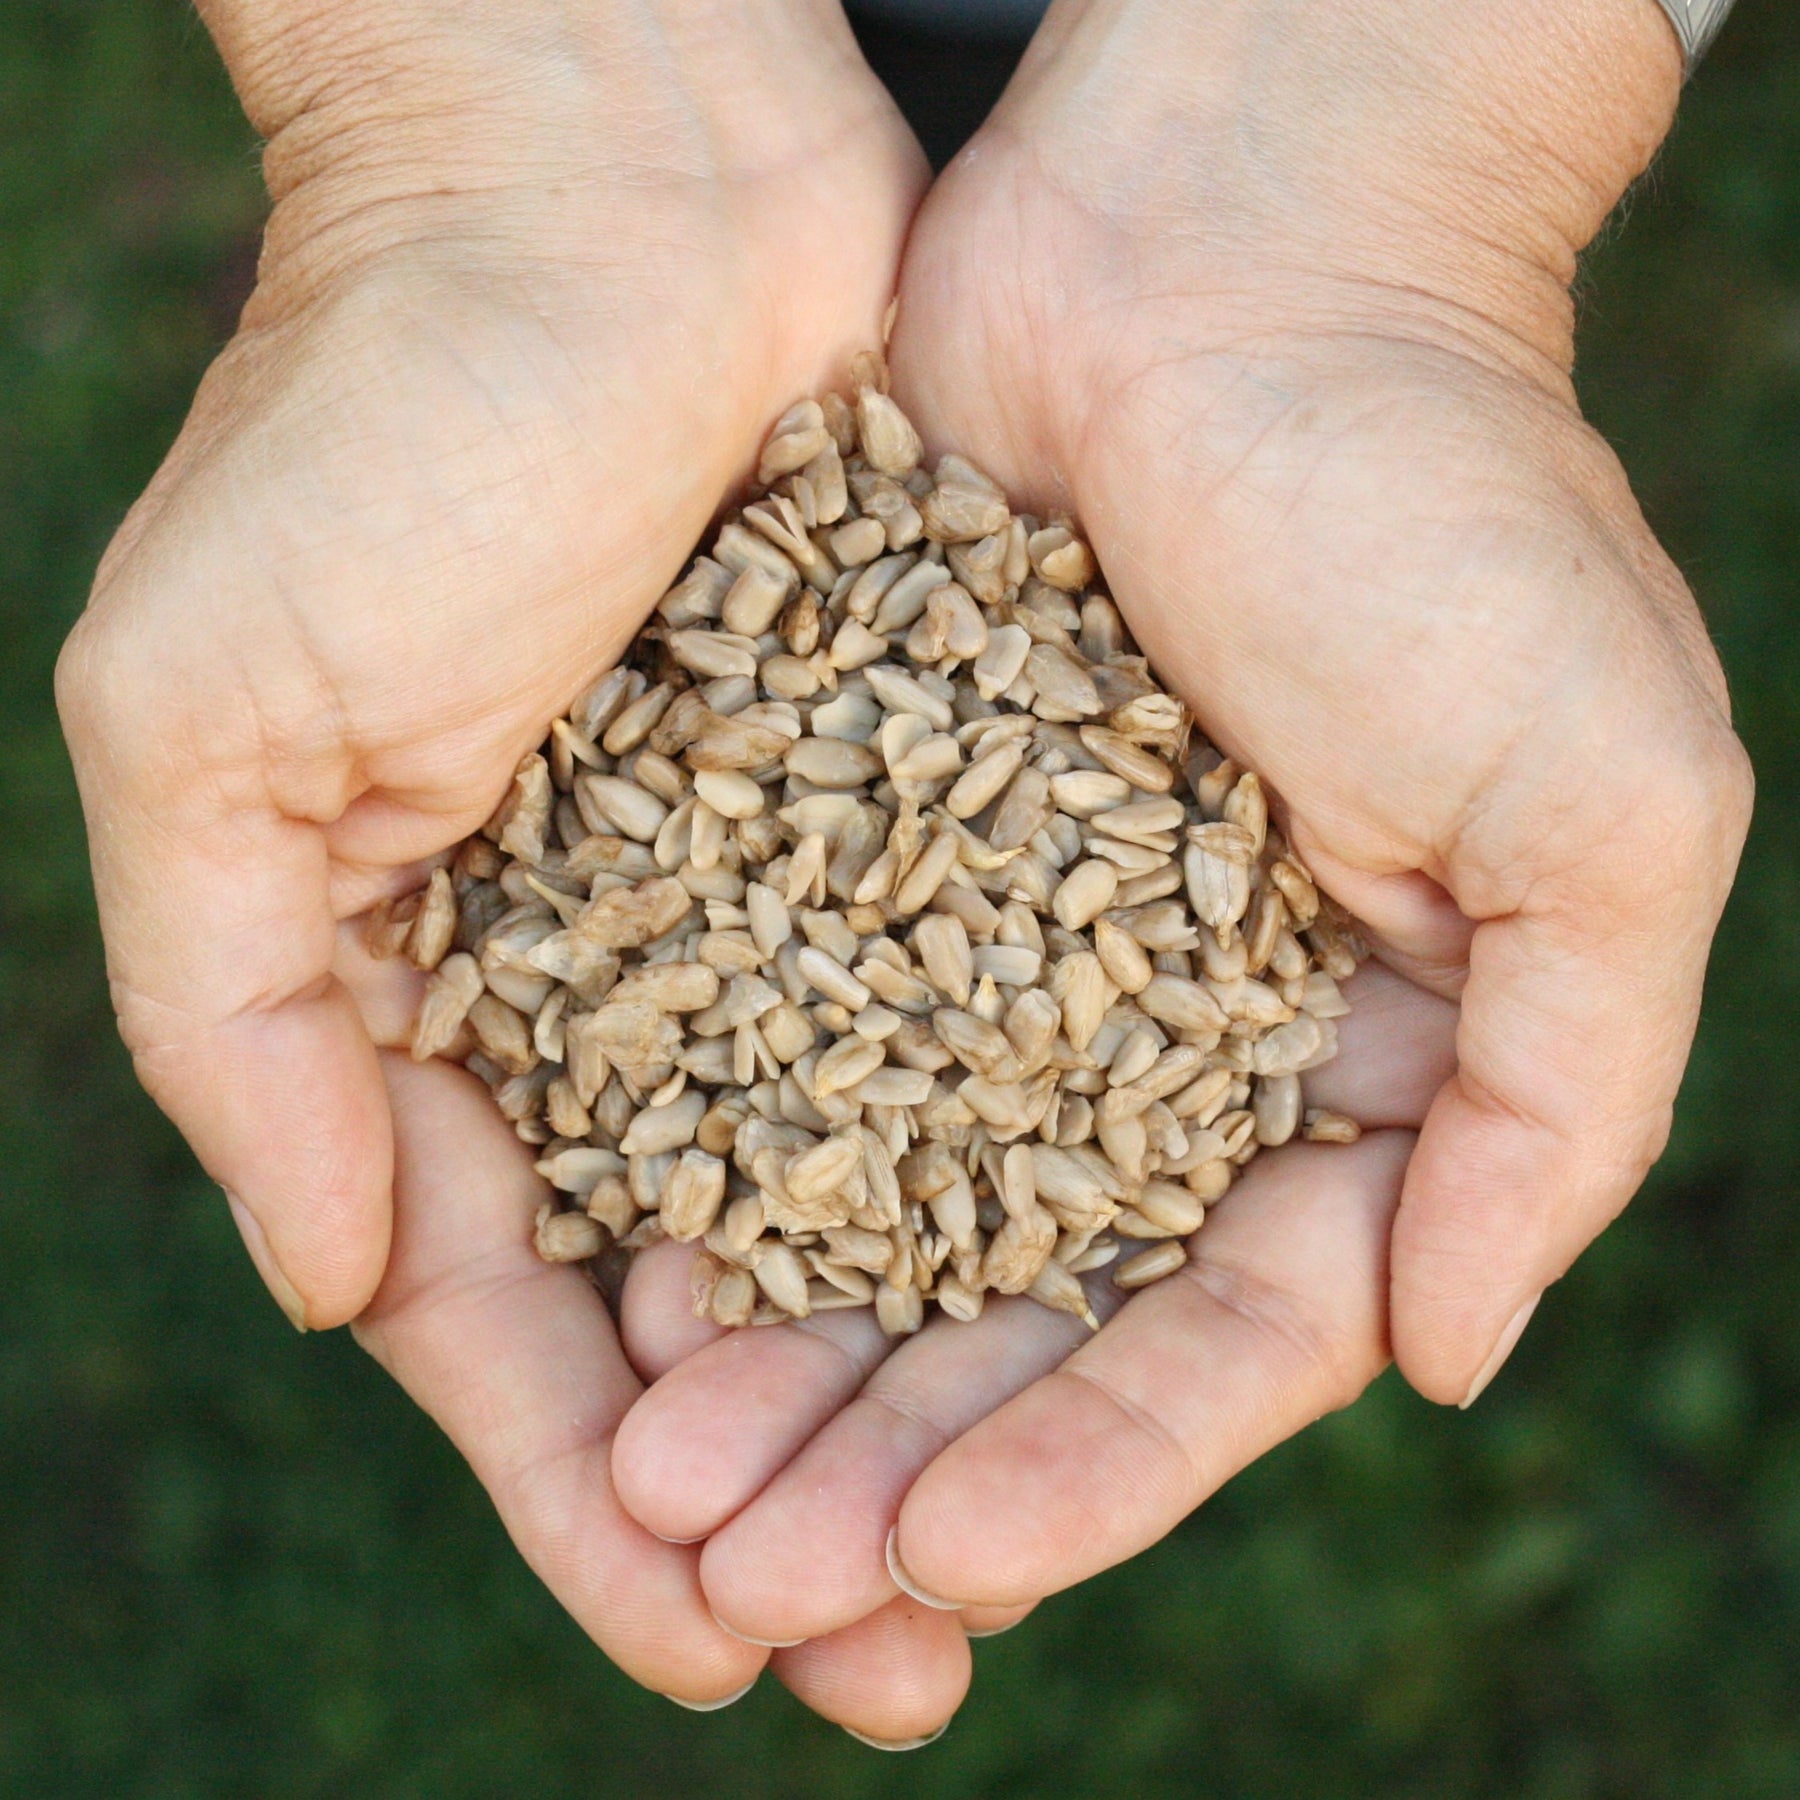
point(791, 1450)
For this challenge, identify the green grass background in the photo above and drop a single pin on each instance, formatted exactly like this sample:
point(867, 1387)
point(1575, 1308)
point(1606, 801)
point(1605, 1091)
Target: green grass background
point(237, 1563)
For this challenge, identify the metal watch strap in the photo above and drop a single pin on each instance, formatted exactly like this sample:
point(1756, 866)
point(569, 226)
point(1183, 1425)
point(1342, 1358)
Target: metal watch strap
point(1696, 23)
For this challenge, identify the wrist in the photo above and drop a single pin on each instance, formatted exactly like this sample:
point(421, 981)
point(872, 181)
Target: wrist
point(461, 103)
point(566, 132)
point(1461, 150)
point(380, 56)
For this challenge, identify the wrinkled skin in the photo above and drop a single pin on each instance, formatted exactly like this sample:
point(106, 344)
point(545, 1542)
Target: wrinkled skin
point(1311, 400)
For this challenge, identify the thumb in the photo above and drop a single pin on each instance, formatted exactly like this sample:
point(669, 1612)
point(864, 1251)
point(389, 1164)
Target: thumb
point(1583, 991)
point(219, 933)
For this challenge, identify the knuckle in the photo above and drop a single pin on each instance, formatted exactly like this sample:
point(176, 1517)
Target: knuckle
point(1735, 780)
point(1693, 809)
point(101, 693)
point(1289, 1326)
point(80, 674)
point(159, 1039)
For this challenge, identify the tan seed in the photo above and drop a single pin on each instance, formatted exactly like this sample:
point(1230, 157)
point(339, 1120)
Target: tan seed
point(1084, 893)
point(823, 1170)
point(729, 792)
point(691, 1201)
point(662, 1128)
point(845, 1064)
point(452, 990)
point(782, 1277)
point(567, 1236)
point(887, 435)
point(1277, 1108)
point(1078, 985)
point(1324, 1127)
point(942, 943)
point(900, 1312)
point(1150, 1265)
point(926, 876)
point(832, 979)
point(1056, 1288)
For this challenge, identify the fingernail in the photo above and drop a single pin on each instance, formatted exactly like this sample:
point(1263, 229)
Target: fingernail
point(287, 1296)
point(992, 1631)
point(760, 1643)
point(713, 1705)
point(1515, 1328)
point(918, 1743)
point(679, 1543)
point(907, 1585)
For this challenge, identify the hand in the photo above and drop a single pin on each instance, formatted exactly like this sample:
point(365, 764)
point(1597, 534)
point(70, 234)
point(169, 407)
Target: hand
point(1274, 296)
point(535, 278)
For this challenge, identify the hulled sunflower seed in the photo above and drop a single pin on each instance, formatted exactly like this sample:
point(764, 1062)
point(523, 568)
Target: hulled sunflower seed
point(1150, 1265)
point(887, 933)
point(566, 1236)
point(1084, 893)
point(696, 1188)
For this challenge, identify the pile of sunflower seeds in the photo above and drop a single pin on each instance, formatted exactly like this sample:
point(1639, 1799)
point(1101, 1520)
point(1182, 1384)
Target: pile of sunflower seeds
point(880, 926)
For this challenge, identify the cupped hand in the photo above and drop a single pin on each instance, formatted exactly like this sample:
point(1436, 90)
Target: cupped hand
point(536, 279)
point(1274, 297)
point(1289, 328)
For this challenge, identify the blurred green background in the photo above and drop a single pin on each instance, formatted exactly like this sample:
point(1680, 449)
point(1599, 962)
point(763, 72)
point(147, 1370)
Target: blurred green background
point(237, 1563)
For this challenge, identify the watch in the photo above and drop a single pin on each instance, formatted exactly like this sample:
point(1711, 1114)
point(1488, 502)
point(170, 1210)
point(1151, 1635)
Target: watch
point(1696, 23)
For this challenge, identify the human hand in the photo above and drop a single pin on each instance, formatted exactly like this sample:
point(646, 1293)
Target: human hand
point(532, 274)
point(1274, 296)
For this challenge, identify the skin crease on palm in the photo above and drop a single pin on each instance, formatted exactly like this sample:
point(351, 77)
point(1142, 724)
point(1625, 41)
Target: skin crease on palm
point(1320, 429)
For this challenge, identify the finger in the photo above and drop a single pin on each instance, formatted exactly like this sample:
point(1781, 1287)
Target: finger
point(992, 1621)
point(1278, 1318)
point(516, 1360)
point(807, 1556)
point(656, 1317)
point(386, 991)
point(1576, 1022)
point(1423, 933)
point(707, 1438)
point(894, 1679)
point(1396, 1048)
point(219, 941)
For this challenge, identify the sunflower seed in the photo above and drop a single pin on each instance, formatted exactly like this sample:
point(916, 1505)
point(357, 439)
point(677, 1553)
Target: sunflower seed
point(1060, 1290)
point(886, 434)
point(691, 1201)
point(902, 937)
point(782, 1276)
point(1277, 1108)
point(566, 1237)
point(1149, 1266)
